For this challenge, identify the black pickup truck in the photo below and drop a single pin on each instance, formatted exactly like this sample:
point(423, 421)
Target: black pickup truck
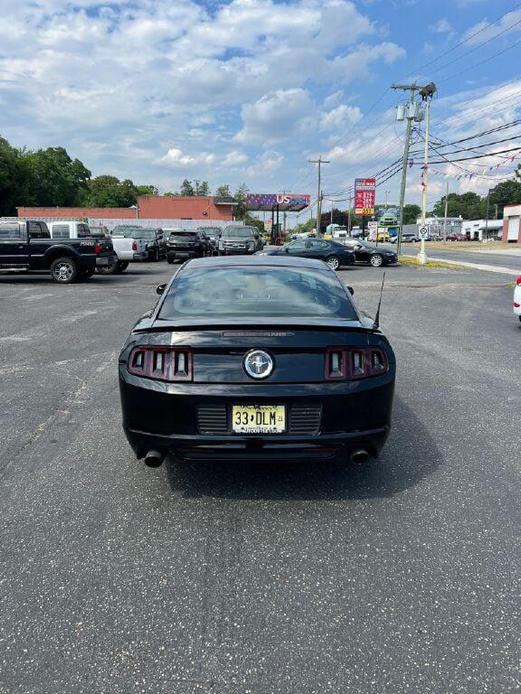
point(27, 245)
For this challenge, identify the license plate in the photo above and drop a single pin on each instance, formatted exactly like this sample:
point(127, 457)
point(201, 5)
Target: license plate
point(103, 261)
point(258, 419)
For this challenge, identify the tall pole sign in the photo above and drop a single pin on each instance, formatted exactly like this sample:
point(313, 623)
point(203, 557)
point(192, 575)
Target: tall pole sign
point(365, 196)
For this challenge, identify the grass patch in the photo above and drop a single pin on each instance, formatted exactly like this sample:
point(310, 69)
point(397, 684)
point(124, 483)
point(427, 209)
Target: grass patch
point(411, 260)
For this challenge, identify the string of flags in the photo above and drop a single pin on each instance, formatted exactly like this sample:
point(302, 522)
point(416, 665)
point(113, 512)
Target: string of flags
point(483, 172)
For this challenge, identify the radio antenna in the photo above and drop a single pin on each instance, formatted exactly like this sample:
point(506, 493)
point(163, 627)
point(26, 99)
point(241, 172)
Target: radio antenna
point(376, 323)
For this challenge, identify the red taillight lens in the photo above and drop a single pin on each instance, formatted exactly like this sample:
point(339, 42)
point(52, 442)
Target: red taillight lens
point(516, 305)
point(97, 248)
point(518, 281)
point(161, 363)
point(134, 246)
point(355, 363)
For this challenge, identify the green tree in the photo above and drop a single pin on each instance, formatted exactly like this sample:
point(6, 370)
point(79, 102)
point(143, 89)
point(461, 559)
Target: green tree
point(187, 188)
point(15, 179)
point(109, 191)
point(223, 192)
point(201, 188)
point(505, 193)
point(411, 213)
point(240, 196)
point(57, 180)
point(467, 205)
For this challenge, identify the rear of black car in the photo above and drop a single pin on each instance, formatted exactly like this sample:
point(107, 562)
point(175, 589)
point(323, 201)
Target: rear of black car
point(182, 245)
point(187, 384)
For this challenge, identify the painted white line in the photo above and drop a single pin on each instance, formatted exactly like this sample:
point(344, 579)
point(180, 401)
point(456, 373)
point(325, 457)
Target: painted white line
point(478, 266)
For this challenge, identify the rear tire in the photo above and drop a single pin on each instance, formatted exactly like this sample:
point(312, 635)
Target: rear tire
point(170, 261)
point(64, 270)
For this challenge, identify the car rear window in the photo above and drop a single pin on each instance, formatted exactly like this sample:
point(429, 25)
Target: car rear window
point(238, 233)
point(183, 234)
point(267, 291)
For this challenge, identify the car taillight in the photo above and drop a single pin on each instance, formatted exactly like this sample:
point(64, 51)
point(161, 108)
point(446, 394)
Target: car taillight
point(161, 363)
point(134, 246)
point(355, 363)
point(97, 248)
point(518, 281)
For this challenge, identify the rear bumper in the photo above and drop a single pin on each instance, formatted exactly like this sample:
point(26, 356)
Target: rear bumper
point(105, 260)
point(353, 416)
point(183, 253)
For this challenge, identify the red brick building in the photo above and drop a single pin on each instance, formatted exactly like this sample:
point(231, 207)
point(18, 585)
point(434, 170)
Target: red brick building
point(148, 207)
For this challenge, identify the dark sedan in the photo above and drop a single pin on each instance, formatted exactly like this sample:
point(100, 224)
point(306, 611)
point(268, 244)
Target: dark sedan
point(367, 253)
point(333, 253)
point(252, 358)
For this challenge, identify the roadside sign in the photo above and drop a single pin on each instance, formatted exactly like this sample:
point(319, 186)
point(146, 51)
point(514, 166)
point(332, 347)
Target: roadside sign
point(365, 196)
point(423, 232)
point(372, 228)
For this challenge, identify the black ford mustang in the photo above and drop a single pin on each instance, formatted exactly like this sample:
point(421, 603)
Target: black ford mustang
point(256, 357)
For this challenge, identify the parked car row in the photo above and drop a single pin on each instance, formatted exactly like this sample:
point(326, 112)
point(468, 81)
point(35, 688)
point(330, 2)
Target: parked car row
point(337, 254)
point(84, 249)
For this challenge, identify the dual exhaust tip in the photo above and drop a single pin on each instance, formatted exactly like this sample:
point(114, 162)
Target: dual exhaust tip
point(155, 459)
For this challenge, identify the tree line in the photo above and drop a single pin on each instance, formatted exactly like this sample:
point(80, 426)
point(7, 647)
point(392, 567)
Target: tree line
point(51, 178)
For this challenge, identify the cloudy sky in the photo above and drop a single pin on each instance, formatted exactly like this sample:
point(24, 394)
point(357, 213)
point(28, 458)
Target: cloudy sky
point(249, 90)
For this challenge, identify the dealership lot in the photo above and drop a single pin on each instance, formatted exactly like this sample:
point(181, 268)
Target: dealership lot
point(396, 576)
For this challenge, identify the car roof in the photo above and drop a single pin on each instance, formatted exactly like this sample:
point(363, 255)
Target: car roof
point(255, 260)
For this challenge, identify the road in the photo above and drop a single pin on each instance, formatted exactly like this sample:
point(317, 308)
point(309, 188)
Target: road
point(398, 576)
point(499, 258)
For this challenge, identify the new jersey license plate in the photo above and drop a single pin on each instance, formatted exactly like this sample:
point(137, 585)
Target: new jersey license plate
point(258, 419)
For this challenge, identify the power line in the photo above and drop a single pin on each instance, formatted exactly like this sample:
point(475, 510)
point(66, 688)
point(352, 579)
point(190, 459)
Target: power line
point(480, 45)
point(468, 38)
point(481, 62)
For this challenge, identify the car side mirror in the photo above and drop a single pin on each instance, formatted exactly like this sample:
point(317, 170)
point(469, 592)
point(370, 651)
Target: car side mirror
point(351, 290)
point(160, 289)
point(286, 249)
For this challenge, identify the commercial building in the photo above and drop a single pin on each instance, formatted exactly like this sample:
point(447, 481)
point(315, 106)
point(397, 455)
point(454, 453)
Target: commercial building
point(482, 229)
point(148, 207)
point(512, 223)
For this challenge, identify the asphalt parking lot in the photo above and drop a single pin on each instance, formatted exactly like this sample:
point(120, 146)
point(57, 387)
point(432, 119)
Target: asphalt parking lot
point(398, 576)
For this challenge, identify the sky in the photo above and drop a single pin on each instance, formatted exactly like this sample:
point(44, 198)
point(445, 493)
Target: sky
point(247, 91)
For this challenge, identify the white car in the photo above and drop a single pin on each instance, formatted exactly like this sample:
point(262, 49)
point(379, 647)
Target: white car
point(517, 298)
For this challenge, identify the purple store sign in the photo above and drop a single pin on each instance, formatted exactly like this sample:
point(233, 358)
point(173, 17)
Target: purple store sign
point(269, 201)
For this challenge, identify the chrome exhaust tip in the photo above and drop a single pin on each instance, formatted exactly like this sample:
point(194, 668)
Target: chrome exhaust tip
point(359, 456)
point(154, 459)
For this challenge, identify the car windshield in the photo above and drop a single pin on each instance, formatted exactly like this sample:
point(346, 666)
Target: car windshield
point(268, 291)
point(211, 233)
point(237, 233)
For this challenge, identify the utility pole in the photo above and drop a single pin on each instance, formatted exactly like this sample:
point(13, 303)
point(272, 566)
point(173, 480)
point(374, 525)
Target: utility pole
point(349, 216)
point(488, 210)
point(410, 113)
point(446, 211)
point(319, 161)
point(422, 257)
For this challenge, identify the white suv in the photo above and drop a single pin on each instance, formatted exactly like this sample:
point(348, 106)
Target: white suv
point(517, 298)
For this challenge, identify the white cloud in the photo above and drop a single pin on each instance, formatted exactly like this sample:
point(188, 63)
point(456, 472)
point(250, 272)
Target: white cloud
point(442, 26)
point(138, 75)
point(274, 115)
point(177, 158)
point(340, 116)
point(269, 162)
point(484, 30)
